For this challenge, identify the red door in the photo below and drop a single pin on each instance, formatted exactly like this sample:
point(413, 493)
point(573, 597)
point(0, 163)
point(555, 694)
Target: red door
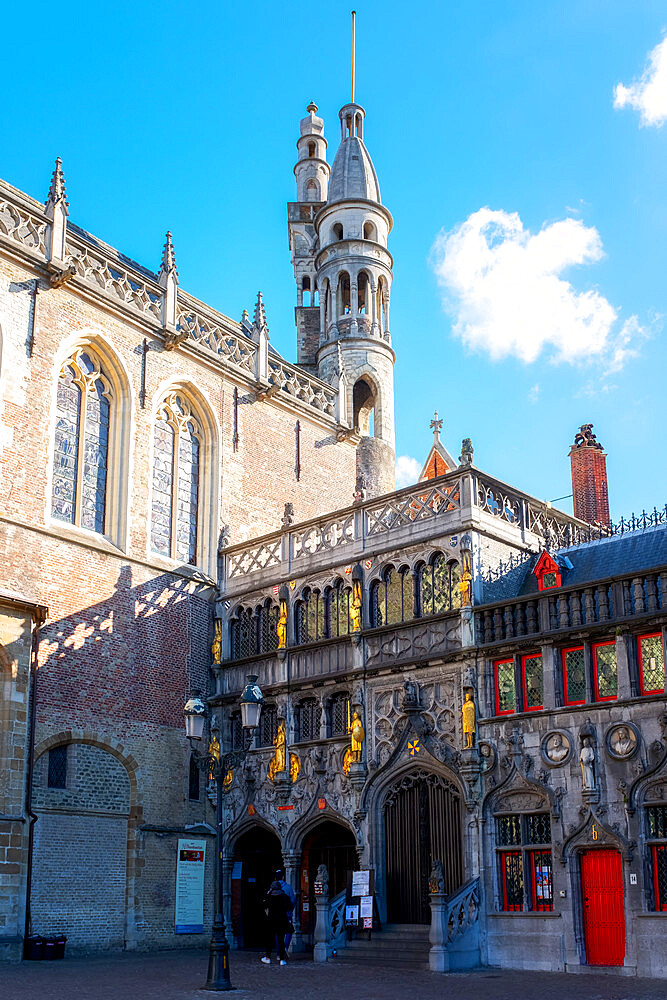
point(604, 917)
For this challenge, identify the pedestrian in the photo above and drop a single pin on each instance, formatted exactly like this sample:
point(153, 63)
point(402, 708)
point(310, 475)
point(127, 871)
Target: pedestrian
point(289, 891)
point(276, 907)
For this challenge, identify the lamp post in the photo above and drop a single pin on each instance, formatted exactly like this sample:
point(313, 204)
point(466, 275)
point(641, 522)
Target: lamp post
point(218, 765)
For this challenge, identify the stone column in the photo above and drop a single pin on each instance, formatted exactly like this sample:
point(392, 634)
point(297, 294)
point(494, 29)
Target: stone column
point(438, 957)
point(293, 876)
point(321, 937)
point(549, 667)
point(374, 322)
point(354, 305)
point(623, 666)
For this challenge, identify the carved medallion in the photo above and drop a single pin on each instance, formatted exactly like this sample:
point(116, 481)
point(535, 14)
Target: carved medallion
point(556, 748)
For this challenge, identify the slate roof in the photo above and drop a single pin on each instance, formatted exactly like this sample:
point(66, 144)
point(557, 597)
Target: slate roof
point(353, 174)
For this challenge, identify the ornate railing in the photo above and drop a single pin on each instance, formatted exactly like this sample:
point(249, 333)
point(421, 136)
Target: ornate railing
point(203, 328)
point(106, 274)
point(337, 935)
point(26, 228)
point(301, 386)
point(462, 910)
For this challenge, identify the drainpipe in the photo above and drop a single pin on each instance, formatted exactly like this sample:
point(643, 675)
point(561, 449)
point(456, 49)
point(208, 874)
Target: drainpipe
point(32, 818)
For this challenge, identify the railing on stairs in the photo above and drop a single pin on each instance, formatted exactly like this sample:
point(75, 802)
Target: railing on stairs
point(462, 910)
point(454, 933)
point(337, 933)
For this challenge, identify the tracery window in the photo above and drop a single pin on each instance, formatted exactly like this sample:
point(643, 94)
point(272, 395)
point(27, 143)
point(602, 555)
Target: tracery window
point(393, 598)
point(439, 588)
point(340, 714)
point(81, 447)
point(254, 632)
point(268, 726)
point(525, 870)
point(605, 672)
point(176, 472)
point(505, 686)
point(338, 610)
point(656, 835)
point(307, 720)
point(310, 617)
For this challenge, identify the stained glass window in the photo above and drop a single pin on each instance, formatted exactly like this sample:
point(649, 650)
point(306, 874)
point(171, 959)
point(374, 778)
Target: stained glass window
point(392, 598)
point(176, 476)
point(81, 446)
point(505, 687)
point(439, 589)
point(574, 676)
point(656, 817)
point(521, 830)
point(338, 613)
point(651, 663)
point(57, 775)
point(308, 715)
point(606, 676)
point(533, 681)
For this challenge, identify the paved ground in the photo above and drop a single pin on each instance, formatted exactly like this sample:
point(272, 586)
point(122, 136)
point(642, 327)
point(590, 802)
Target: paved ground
point(177, 975)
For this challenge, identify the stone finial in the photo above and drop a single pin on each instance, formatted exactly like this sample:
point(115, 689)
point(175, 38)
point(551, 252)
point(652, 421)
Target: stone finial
point(312, 108)
point(57, 193)
point(466, 452)
point(259, 319)
point(436, 427)
point(168, 261)
point(245, 317)
point(288, 516)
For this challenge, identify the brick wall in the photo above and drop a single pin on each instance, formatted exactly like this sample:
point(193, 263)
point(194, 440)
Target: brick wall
point(589, 484)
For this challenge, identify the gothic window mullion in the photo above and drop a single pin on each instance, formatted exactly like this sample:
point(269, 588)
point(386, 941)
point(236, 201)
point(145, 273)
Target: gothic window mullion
point(83, 401)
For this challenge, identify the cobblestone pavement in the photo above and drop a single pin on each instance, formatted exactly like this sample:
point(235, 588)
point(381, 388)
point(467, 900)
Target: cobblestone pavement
point(177, 975)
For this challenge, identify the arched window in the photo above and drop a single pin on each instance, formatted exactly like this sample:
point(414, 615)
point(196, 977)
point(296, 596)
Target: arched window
point(339, 714)
point(243, 634)
point(310, 617)
point(439, 589)
point(370, 232)
point(363, 292)
point(174, 520)
point(343, 294)
point(392, 598)
point(268, 620)
point(307, 720)
point(338, 610)
point(379, 306)
point(312, 190)
point(363, 401)
point(83, 409)
point(337, 231)
point(311, 149)
point(305, 290)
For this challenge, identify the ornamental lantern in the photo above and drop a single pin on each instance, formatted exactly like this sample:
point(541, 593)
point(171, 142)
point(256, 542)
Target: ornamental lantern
point(251, 703)
point(195, 716)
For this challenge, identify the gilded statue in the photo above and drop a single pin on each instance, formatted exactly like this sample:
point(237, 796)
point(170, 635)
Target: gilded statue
point(358, 736)
point(281, 627)
point(468, 716)
point(214, 751)
point(216, 647)
point(355, 606)
point(465, 583)
point(279, 760)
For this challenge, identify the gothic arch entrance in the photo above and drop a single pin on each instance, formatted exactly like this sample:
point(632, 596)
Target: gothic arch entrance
point(423, 819)
point(257, 856)
point(330, 844)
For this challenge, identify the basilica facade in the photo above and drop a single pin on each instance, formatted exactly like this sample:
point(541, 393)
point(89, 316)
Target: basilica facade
point(464, 688)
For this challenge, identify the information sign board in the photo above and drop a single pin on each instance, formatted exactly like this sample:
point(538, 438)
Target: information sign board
point(190, 867)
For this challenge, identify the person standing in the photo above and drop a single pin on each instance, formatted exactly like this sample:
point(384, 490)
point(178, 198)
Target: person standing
point(276, 906)
point(289, 892)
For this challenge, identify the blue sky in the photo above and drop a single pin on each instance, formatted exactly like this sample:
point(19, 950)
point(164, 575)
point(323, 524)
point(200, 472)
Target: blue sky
point(517, 324)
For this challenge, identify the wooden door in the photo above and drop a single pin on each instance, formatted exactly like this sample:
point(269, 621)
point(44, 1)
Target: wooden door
point(604, 915)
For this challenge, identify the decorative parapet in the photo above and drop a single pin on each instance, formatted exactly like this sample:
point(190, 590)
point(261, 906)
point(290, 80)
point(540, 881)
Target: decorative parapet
point(27, 226)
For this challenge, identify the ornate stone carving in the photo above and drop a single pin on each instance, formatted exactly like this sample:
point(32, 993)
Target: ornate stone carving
point(622, 741)
point(556, 748)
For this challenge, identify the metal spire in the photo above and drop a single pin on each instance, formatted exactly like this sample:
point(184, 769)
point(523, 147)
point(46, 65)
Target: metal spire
point(353, 20)
point(436, 427)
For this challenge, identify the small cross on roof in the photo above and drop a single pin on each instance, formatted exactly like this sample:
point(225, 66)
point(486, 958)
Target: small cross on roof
point(436, 427)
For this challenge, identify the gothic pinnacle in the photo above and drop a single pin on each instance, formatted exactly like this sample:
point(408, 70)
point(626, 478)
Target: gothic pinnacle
point(259, 319)
point(57, 188)
point(168, 262)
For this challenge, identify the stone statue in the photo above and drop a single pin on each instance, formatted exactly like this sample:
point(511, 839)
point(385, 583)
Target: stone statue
point(587, 761)
point(355, 606)
point(323, 876)
point(279, 760)
point(358, 736)
point(216, 647)
point(281, 627)
point(468, 716)
point(436, 880)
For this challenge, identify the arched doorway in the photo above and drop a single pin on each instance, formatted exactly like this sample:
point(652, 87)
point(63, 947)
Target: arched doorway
point(422, 814)
point(256, 857)
point(330, 844)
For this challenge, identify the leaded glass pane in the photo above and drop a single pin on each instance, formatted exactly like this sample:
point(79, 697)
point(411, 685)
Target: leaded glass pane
point(66, 450)
point(656, 817)
point(314, 616)
point(575, 675)
point(506, 687)
point(408, 596)
point(455, 585)
point(268, 621)
point(244, 635)
point(512, 864)
point(57, 775)
point(538, 828)
point(441, 596)
point(508, 829)
point(343, 601)
point(308, 720)
point(652, 659)
point(605, 666)
point(340, 710)
point(95, 453)
point(268, 726)
point(542, 880)
point(378, 603)
point(532, 666)
point(426, 590)
point(188, 495)
point(301, 622)
point(163, 475)
point(394, 598)
point(660, 876)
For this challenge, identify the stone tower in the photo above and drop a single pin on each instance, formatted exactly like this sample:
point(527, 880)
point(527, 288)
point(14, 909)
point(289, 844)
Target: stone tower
point(339, 251)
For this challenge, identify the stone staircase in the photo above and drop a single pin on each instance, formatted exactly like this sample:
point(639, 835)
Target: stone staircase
point(396, 946)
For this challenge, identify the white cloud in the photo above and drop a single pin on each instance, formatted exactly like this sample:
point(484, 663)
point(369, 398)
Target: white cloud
point(504, 289)
point(534, 393)
point(407, 471)
point(648, 94)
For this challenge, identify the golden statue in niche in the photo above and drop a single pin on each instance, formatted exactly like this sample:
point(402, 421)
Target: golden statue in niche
point(465, 583)
point(347, 760)
point(468, 716)
point(355, 606)
point(279, 760)
point(214, 751)
point(281, 626)
point(358, 736)
point(216, 647)
point(227, 780)
point(294, 766)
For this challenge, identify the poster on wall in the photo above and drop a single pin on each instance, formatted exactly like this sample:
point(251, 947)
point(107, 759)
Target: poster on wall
point(190, 867)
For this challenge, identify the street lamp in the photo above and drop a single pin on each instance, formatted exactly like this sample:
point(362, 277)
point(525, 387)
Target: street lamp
point(218, 764)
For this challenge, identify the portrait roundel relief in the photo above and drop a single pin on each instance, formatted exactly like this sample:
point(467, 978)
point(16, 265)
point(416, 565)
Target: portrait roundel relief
point(622, 741)
point(556, 748)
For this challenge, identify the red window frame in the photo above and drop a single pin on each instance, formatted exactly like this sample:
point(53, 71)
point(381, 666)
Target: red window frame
point(607, 697)
point(511, 907)
point(649, 635)
point(496, 664)
point(564, 652)
point(524, 686)
point(660, 907)
point(541, 904)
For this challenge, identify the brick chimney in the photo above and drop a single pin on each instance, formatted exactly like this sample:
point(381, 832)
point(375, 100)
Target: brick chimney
point(589, 477)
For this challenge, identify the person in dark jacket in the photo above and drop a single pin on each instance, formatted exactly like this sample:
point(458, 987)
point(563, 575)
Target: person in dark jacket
point(277, 905)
